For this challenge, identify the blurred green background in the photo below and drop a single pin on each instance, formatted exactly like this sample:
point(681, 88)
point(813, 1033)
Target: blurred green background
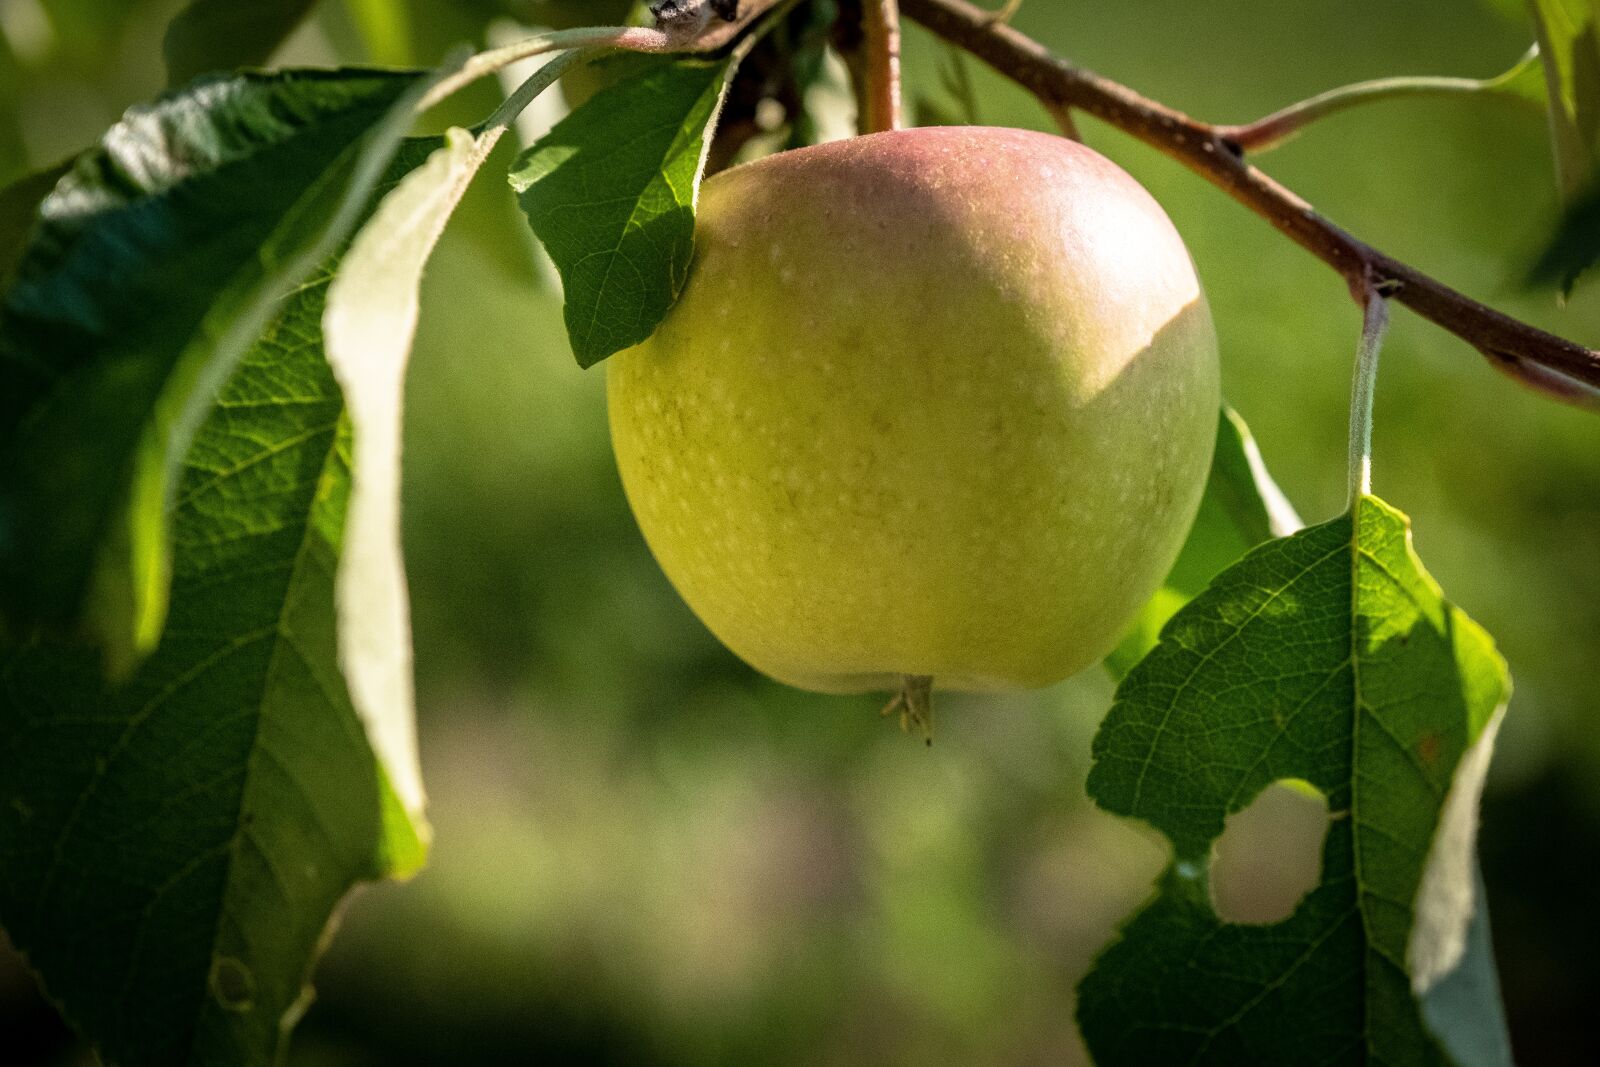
point(645, 854)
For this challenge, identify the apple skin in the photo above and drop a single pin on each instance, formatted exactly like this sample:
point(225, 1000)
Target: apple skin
point(935, 402)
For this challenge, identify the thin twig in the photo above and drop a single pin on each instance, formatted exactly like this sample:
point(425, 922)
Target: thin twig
point(1562, 367)
point(880, 20)
point(714, 36)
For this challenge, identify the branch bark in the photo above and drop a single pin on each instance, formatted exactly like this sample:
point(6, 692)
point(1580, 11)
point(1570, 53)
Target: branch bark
point(719, 34)
point(1543, 360)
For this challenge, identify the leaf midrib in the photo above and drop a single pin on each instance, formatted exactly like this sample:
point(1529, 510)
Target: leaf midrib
point(281, 636)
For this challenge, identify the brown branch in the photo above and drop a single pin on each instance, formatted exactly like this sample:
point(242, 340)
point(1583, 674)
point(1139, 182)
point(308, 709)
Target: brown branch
point(1537, 358)
point(719, 33)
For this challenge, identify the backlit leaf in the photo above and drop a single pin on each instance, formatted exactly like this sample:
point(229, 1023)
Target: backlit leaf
point(1328, 657)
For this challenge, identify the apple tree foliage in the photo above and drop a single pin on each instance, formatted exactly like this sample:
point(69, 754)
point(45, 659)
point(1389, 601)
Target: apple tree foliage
point(205, 706)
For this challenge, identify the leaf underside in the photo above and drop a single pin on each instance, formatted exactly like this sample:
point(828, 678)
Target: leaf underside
point(175, 846)
point(1331, 658)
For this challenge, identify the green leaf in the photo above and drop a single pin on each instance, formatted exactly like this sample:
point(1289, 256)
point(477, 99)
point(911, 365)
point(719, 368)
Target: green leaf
point(211, 35)
point(1524, 82)
point(369, 324)
point(1328, 657)
point(611, 192)
point(1569, 40)
point(154, 265)
point(1574, 249)
point(1241, 508)
point(1570, 45)
point(175, 846)
point(385, 27)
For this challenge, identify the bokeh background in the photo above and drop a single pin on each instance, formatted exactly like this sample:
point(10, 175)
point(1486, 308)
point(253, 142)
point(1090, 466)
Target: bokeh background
point(647, 855)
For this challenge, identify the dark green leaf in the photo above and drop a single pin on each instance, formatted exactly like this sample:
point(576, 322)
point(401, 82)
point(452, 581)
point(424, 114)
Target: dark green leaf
point(1241, 508)
point(157, 261)
point(19, 210)
point(175, 846)
point(1569, 41)
point(611, 192)
point(1569, 44)
point(211, 35)
point(1329, 657)
point(1574, 249)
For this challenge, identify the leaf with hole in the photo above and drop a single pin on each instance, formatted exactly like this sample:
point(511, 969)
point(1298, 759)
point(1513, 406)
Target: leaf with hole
point(1329, 657)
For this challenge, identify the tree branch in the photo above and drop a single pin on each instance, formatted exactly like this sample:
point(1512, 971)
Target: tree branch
point(1537, 358)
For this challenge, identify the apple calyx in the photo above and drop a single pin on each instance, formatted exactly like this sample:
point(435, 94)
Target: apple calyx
point(914, 702)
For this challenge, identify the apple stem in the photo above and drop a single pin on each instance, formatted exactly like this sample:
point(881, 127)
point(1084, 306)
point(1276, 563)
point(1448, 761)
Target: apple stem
point(881, 27)
point(914, 702)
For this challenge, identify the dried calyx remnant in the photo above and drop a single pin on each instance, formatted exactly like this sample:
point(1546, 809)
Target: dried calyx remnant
point(914, 702)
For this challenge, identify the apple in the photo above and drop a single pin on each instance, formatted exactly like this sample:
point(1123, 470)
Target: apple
point(934, 404)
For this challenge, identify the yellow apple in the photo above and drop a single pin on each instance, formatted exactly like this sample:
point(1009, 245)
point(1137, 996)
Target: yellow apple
point(935, 403)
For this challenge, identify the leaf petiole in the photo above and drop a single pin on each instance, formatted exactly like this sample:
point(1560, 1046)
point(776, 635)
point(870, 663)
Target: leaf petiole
point(1278, 127)
point(1375, 324)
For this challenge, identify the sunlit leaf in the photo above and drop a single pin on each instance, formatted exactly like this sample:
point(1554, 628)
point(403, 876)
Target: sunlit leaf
point(1328, 657)
point(154, 265)
point(369, 324)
